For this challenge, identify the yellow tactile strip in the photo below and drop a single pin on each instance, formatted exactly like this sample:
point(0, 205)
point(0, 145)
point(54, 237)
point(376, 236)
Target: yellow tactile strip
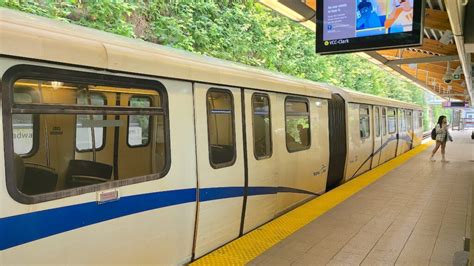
point(249, 246)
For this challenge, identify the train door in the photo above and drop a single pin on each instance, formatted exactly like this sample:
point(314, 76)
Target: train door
point(262, 174)
point(377, 137)
point(402, 134)
point(360, 140)
point(409, 125)
point(220, 166)
point(389, 131)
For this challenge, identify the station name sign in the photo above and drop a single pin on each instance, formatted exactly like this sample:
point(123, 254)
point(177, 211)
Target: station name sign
point(363, 25)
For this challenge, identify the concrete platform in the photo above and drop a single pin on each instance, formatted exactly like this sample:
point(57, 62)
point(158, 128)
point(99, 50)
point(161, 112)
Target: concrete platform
point(417, 214)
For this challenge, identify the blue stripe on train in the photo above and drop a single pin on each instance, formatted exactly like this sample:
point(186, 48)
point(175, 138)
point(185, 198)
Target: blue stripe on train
point(24, 228)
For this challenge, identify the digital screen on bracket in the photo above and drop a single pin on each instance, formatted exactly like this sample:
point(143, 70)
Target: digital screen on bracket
point(362, 25)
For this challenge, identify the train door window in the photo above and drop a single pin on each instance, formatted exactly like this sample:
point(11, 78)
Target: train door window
point(401, 116)
point(89, 136)
point(220, 123)
point(139, 125)
point(377, 122)
point(364, 122)
point(409, 120)
point(392, 120)
point(420, 119)
point(23, 127)
point(67, 110)
point(384, 121)
point(262, 133)
point(298, 133)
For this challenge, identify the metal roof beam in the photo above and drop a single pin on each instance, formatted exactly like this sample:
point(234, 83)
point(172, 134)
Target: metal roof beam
point(384, 60)
point(455, 12)
point(423, 60)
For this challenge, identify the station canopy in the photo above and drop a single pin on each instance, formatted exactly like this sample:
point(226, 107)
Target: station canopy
point(444, 55)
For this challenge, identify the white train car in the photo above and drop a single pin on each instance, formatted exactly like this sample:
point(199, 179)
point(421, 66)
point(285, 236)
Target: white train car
point(122, 151)
point(376, 130)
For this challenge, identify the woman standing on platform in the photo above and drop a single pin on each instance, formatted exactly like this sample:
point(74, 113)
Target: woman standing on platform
point(442, 136)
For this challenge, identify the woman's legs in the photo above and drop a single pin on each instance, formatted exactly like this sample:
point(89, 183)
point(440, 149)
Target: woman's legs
point(443, 151)
point(438, 143)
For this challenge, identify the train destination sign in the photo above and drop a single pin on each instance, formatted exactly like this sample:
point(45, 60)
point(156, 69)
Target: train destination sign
point(361, 25)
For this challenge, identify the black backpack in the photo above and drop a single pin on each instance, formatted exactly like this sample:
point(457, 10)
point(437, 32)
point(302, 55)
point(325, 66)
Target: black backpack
point(433, 134)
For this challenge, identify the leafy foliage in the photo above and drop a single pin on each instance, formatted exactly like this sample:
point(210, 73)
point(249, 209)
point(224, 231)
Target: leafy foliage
point(236, 30)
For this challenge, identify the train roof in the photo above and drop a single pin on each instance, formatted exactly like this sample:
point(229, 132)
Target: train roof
point(364, 98)
point(30, 36)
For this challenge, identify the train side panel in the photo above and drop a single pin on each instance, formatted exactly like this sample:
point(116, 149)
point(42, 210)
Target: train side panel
point(148, 220)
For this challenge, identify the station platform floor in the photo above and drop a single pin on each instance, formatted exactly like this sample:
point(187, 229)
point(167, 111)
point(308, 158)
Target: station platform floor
point(409, 211)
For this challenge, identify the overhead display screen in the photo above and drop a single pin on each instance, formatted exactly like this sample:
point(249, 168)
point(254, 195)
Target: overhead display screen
point(361, 25)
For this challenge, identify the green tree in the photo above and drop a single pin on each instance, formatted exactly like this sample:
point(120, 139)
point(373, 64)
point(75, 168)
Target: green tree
point(236, 30)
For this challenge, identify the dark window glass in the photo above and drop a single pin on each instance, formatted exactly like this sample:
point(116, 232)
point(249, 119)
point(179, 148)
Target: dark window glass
point(139, 125)
point(392, 121)
point(364, 122)
point(220, 122)
point(262, 134)
point(377, 122)
point(89, 132)
point(297, 124)
point(420, 119)
point(409, 120)
point(384, 121)
point(402, 118)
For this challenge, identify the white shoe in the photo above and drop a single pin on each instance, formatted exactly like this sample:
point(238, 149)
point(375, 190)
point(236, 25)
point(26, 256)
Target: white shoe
point(432, 159)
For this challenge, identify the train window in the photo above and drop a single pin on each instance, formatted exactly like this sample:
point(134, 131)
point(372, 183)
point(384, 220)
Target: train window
point(298, 133)
point(401, 116)
point(78, 114)
point(364, 122)
point(262, 133)
point(392, 121)
point(420, 119)
point(87, 135)
point(377, 121)
point(220, 125)
point(384, 121)
point(22, 125)
point(409, 120)
point(138, 125)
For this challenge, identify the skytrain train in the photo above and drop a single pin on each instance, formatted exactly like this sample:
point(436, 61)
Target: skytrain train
point(122, 151)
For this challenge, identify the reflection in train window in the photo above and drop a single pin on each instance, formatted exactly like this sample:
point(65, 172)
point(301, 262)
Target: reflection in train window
point(139, 125)
point(298, 134)
point(409, 120)
point(262, 134)
point(89, 136)
point(401, 116)
point(384, 121)
point(78, 115)
point(22, 125)
point(392, 121)
point(420, 119)
point(220, 123)
point(364, 122)
point(377, 122)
